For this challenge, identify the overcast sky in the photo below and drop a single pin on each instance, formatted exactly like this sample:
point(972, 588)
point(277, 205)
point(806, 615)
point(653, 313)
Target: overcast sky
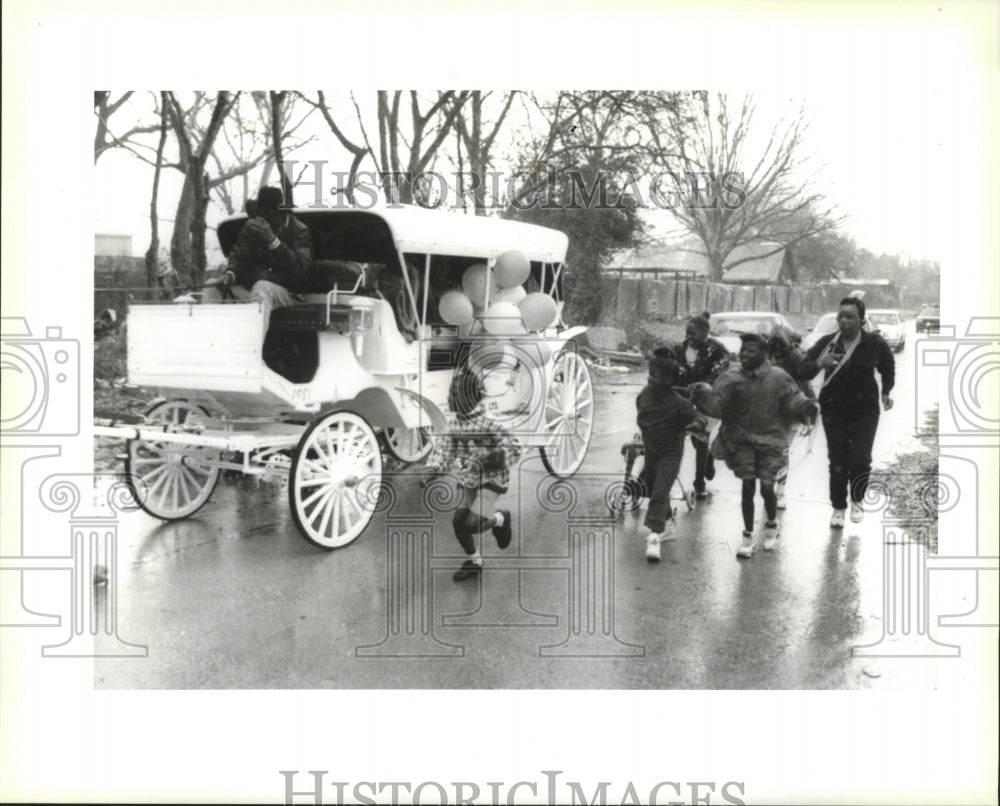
point(881, 153)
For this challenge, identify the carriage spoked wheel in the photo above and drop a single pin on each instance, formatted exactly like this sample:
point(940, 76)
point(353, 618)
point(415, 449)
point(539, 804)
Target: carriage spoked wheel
point(568, 418)
point(408, 445)
point(335, 479)
point(171, 481)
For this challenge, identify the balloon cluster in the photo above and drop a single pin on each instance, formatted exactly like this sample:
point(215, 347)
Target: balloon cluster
point(511, 309)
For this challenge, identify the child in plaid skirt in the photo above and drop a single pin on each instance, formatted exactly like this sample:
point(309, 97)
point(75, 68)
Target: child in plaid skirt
point(479, 453)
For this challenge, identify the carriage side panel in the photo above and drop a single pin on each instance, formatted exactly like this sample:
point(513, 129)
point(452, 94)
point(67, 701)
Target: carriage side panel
point(214, 347)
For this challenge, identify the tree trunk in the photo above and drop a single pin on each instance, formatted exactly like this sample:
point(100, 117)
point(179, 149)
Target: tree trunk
point(199, 259)
point(180, 243)
point(716, 263)
point(152, 254)
point(279, 159)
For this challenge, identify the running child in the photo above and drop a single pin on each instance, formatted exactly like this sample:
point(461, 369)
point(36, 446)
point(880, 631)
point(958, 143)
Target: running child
point(785, 355)
point(479, 453)
point(756, 403)
point(664, 418)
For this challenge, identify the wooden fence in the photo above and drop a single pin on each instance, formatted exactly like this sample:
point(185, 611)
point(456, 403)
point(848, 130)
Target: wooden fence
point(672, 299)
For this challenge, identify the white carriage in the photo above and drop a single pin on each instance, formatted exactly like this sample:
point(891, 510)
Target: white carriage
point(361, 366)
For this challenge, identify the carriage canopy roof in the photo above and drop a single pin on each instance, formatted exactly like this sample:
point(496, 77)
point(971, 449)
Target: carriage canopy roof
point(424, 231)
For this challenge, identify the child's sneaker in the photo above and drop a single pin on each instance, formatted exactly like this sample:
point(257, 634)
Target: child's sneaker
point(748, 546)
point(469, 570)
point(837, 519)
point(652, 547)
point(503, 532)
point(857, 512)
point(771, 534)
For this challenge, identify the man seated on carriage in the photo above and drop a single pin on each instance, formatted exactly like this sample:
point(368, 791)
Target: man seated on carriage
point(272, 254)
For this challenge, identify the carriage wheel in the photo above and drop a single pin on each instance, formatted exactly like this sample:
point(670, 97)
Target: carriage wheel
point(408, 444)
point(334, 478)
point(569, 415)
point(171, 481)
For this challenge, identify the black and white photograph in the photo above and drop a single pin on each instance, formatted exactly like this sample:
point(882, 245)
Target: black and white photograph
point(632, 412)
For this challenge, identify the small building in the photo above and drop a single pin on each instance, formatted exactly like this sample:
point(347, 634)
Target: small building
point(110, 245)
point(758, 263)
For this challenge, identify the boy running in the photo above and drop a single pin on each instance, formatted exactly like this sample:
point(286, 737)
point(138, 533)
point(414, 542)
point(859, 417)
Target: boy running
point(664, 417)
point(480, 454)
point(756, 404)
point(788, 357)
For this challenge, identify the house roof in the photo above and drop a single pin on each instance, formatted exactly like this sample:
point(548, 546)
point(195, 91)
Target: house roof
point(690, 256)
point(759, 266)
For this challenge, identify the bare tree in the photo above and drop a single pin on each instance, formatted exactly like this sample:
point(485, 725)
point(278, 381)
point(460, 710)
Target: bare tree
point(407, 144)
point(584, 146)
point(104, 108)
point(728, 190)
point(477, 142)
point(153, 253)
point(187, 246)
point(257, 125)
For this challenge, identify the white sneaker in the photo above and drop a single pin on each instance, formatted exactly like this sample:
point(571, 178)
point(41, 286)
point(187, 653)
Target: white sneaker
point(748, 546)
point(857, 512)
point(669, 531)
point(653, 548)
point(771, 534)
point(837, 519)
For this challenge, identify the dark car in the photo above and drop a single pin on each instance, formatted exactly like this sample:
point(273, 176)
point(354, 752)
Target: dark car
point(929, 317)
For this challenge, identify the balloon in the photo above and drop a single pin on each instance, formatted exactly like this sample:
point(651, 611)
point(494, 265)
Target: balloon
point(456, 308)
point(538, 310)
point(503, 319)
point(474, 283)
point(511, 269)
point(465, 331)
point(514, 295)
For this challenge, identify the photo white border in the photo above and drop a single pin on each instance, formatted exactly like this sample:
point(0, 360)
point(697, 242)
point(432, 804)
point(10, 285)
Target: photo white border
point(61, 740)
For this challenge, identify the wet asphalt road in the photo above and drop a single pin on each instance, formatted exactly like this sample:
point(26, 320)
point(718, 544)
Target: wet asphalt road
point(235, 598)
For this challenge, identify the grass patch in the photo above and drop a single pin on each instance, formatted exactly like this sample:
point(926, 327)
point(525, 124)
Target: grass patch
point(908, 481)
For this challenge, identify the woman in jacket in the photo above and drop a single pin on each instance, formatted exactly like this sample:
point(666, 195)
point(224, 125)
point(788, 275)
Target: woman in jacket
point(849, 398)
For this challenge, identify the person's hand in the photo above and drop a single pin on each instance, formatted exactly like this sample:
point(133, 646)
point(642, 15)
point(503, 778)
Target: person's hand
point(829, 361)
point(262, 231)
point(812, 410)
point(886, 402)
point(699, 388)
point(227, 279)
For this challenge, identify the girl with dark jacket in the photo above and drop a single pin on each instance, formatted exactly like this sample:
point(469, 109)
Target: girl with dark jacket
point(701, 359)
point(849, 399)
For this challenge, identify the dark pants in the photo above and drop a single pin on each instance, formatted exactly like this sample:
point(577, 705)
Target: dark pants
point(659, 475)
point(469, 518)
point(702, 460)
point(849, 440)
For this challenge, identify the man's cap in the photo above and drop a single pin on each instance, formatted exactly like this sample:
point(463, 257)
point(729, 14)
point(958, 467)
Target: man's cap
point(756, 338)
point(269, 200)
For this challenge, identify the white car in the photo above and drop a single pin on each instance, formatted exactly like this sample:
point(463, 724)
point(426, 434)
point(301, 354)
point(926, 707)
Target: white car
point(889, 326)
point(827, 324)
point(727, 327)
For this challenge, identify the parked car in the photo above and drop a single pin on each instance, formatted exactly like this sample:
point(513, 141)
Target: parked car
point(929, 317)
point(827, 324)
point(728, 325)
point(889, 325)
